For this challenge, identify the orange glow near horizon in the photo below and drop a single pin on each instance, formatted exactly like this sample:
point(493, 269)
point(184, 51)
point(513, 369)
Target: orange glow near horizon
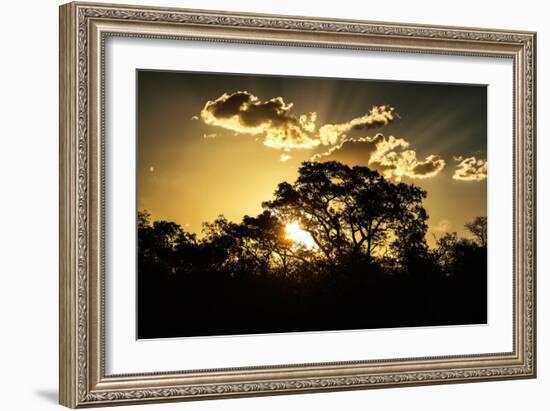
point(191, 171)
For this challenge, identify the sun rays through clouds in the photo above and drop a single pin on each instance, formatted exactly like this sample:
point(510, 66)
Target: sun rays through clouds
point(390, 156)
point(275, 122)
point(285, 203)
point(219, 143)
point(244, 113)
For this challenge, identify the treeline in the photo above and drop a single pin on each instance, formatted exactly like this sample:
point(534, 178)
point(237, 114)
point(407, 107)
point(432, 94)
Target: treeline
point(363, 262)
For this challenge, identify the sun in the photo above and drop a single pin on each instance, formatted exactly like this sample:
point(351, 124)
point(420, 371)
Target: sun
point(294, 233)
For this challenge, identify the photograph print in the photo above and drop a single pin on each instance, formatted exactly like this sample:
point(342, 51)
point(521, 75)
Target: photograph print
point(277, 204)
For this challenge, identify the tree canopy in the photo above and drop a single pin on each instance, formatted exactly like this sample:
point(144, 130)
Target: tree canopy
point(337, 233)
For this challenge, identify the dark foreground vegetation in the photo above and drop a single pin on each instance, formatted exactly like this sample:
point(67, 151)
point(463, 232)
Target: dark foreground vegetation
point(364, 264)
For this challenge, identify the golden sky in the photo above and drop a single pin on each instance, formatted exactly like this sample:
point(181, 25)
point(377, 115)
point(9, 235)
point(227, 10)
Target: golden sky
point(211, 144)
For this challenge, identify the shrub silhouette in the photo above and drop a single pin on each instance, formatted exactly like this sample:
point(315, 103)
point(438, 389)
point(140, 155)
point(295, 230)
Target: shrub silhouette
point(367, 265)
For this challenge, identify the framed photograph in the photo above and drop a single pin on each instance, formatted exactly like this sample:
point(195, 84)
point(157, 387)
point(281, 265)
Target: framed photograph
point(259, 204)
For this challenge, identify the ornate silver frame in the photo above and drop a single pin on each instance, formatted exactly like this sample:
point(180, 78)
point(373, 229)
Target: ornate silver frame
point(83, 30)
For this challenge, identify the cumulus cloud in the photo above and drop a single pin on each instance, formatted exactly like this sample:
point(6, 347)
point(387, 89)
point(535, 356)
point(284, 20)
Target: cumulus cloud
point(390, 156)
point(277, 126)
point(378, 116)
point(244, 113)
point(274, 120)
point(470, 169)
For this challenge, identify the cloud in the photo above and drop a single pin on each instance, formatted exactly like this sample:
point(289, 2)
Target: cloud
point(244, 113)
point(430, 167)
point(273, 120)
point(277, 126)
point(390, 156)
point(378, 116)
point(470, 169)
point(362, 148)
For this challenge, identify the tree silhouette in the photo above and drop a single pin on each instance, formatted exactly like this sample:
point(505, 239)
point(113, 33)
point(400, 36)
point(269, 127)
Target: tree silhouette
point(368, 250)
point(351, 211)
point(259, 242)
point(164, 244)
point(478, 228)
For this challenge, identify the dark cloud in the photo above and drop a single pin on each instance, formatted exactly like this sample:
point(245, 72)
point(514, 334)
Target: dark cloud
point(389, 155)
point(378, 116)
point(242, 112)
point(432, 165)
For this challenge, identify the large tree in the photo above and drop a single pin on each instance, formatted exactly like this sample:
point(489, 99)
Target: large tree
point(352, 211)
